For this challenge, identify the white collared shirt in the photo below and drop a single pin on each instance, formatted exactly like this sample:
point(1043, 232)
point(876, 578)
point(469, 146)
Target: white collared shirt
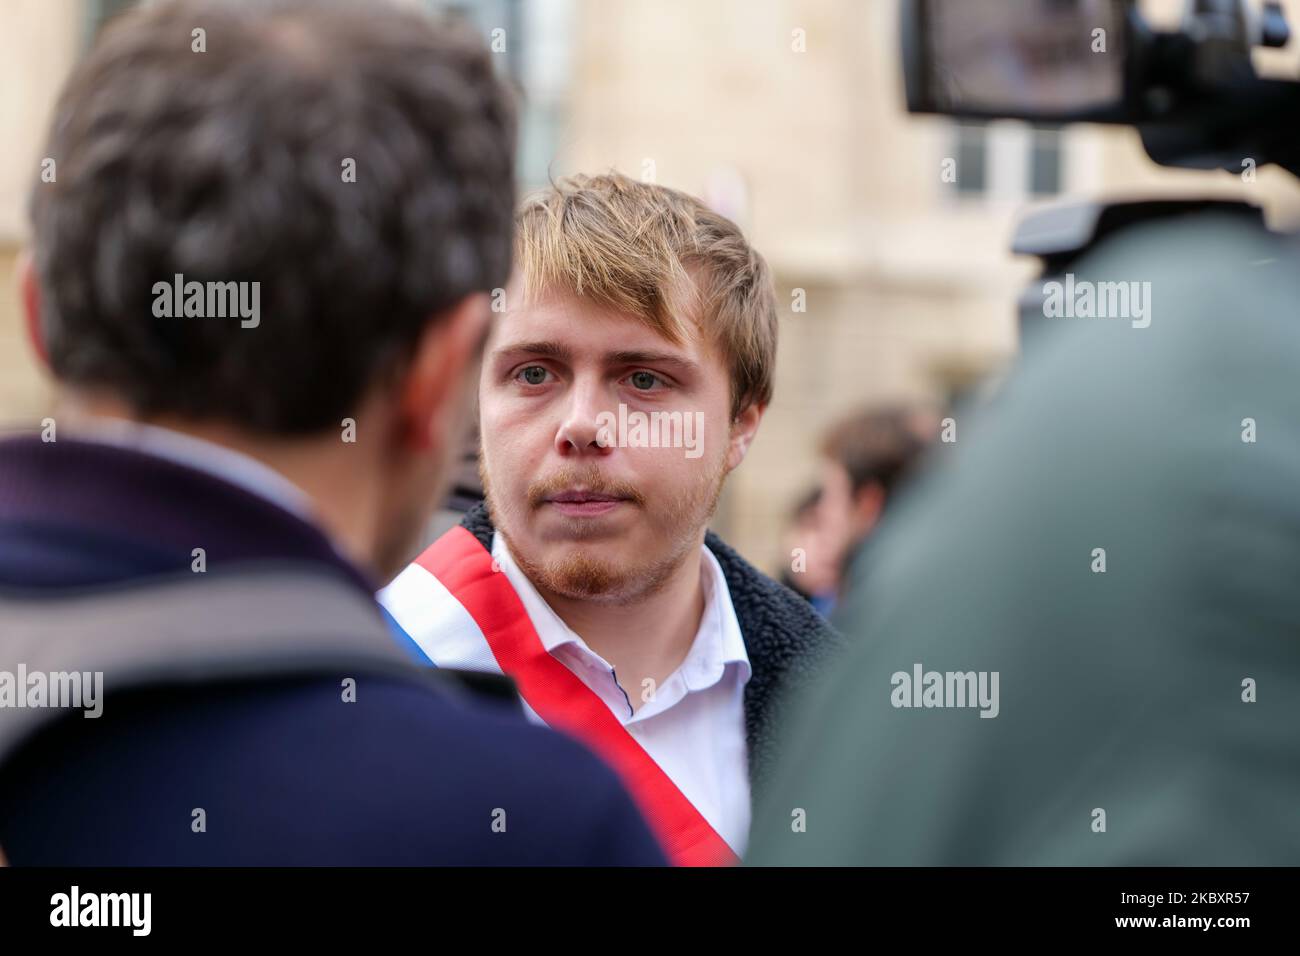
point(694, 726)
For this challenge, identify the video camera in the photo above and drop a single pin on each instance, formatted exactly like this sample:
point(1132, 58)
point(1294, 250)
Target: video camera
point(1193, 95)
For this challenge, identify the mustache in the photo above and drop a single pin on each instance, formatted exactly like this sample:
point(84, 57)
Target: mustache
point(589, 479)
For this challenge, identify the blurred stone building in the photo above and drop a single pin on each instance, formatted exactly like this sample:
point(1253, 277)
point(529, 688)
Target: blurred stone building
point(894, 284)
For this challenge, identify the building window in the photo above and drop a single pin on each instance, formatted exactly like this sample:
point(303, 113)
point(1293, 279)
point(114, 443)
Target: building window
point(99, 12)
point(972, 156)
point(1044, 161)
point(1007, 160)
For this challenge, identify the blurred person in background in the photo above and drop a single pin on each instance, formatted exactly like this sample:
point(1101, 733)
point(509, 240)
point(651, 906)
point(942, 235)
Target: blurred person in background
point(864, 458)
point(259, 712)
point(808, 567)
point(1077, 644)
point(590, 576)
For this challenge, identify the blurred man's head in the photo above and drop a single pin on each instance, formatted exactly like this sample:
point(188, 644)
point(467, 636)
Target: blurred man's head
point(347, 166)
point(638, 319)
point(863, 458)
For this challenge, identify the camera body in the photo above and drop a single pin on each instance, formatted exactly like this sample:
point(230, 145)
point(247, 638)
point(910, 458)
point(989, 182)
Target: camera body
point(1193, 94)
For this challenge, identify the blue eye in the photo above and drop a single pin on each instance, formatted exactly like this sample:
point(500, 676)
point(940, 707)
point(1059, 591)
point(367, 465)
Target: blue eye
point(643, 381)
point(533, 374)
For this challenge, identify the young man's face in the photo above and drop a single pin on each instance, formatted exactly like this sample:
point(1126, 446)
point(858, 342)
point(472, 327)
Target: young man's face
point(588, 509)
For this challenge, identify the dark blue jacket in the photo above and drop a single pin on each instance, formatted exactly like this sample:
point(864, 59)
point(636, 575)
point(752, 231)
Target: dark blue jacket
point(405, 776)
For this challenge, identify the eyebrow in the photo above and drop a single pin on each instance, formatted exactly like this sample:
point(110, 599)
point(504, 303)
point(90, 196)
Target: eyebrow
point(552, 350)
point(650, 357)
point(562, 353)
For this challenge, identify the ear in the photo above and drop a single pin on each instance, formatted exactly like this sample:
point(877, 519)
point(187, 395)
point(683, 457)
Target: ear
point(743, 430)
point(441, 374)
point(30, 291)
point(868, 504)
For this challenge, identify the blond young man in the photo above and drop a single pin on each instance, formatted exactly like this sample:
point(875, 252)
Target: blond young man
point(625, 379)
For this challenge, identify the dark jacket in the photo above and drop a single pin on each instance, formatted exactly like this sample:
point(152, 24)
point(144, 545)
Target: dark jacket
point(285, 774)
point(1148, 712)
point(785, 640)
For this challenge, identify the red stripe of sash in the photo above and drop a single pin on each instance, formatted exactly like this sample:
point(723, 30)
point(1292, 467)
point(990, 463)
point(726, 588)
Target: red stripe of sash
point(560, 698)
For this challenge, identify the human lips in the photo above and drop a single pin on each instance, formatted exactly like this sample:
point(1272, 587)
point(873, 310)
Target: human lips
point(577, 503)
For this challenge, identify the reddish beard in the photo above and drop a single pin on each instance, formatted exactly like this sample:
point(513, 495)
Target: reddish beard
point(576, 573)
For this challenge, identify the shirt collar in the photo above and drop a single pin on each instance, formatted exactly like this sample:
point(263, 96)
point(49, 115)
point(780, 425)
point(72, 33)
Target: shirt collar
point(151, 511)
point(226, 463)
point(718, 641)
point(728, 644)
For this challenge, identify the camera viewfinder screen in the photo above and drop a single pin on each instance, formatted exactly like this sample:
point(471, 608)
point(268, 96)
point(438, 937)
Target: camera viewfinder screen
point(1037, 58)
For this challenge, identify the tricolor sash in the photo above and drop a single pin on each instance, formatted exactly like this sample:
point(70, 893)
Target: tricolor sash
point(461, 611)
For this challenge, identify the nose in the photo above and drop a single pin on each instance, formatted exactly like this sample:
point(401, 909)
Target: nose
point(586, 427)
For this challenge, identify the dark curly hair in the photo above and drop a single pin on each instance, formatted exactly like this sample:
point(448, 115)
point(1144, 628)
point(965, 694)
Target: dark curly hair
point(227, 165)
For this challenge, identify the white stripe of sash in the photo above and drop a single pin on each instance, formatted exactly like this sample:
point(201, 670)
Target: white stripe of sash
point(437, 622)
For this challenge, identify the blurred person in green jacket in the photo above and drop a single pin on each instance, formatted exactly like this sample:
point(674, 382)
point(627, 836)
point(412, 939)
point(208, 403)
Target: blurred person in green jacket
point(1079, 642)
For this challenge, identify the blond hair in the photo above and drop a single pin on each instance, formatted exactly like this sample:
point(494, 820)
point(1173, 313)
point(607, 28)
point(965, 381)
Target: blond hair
point(661, 256)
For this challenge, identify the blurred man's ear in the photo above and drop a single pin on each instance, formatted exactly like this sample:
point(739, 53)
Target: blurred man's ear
point(868, 505)
point(743, 430)
point(441, 375)
point(30, 290)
